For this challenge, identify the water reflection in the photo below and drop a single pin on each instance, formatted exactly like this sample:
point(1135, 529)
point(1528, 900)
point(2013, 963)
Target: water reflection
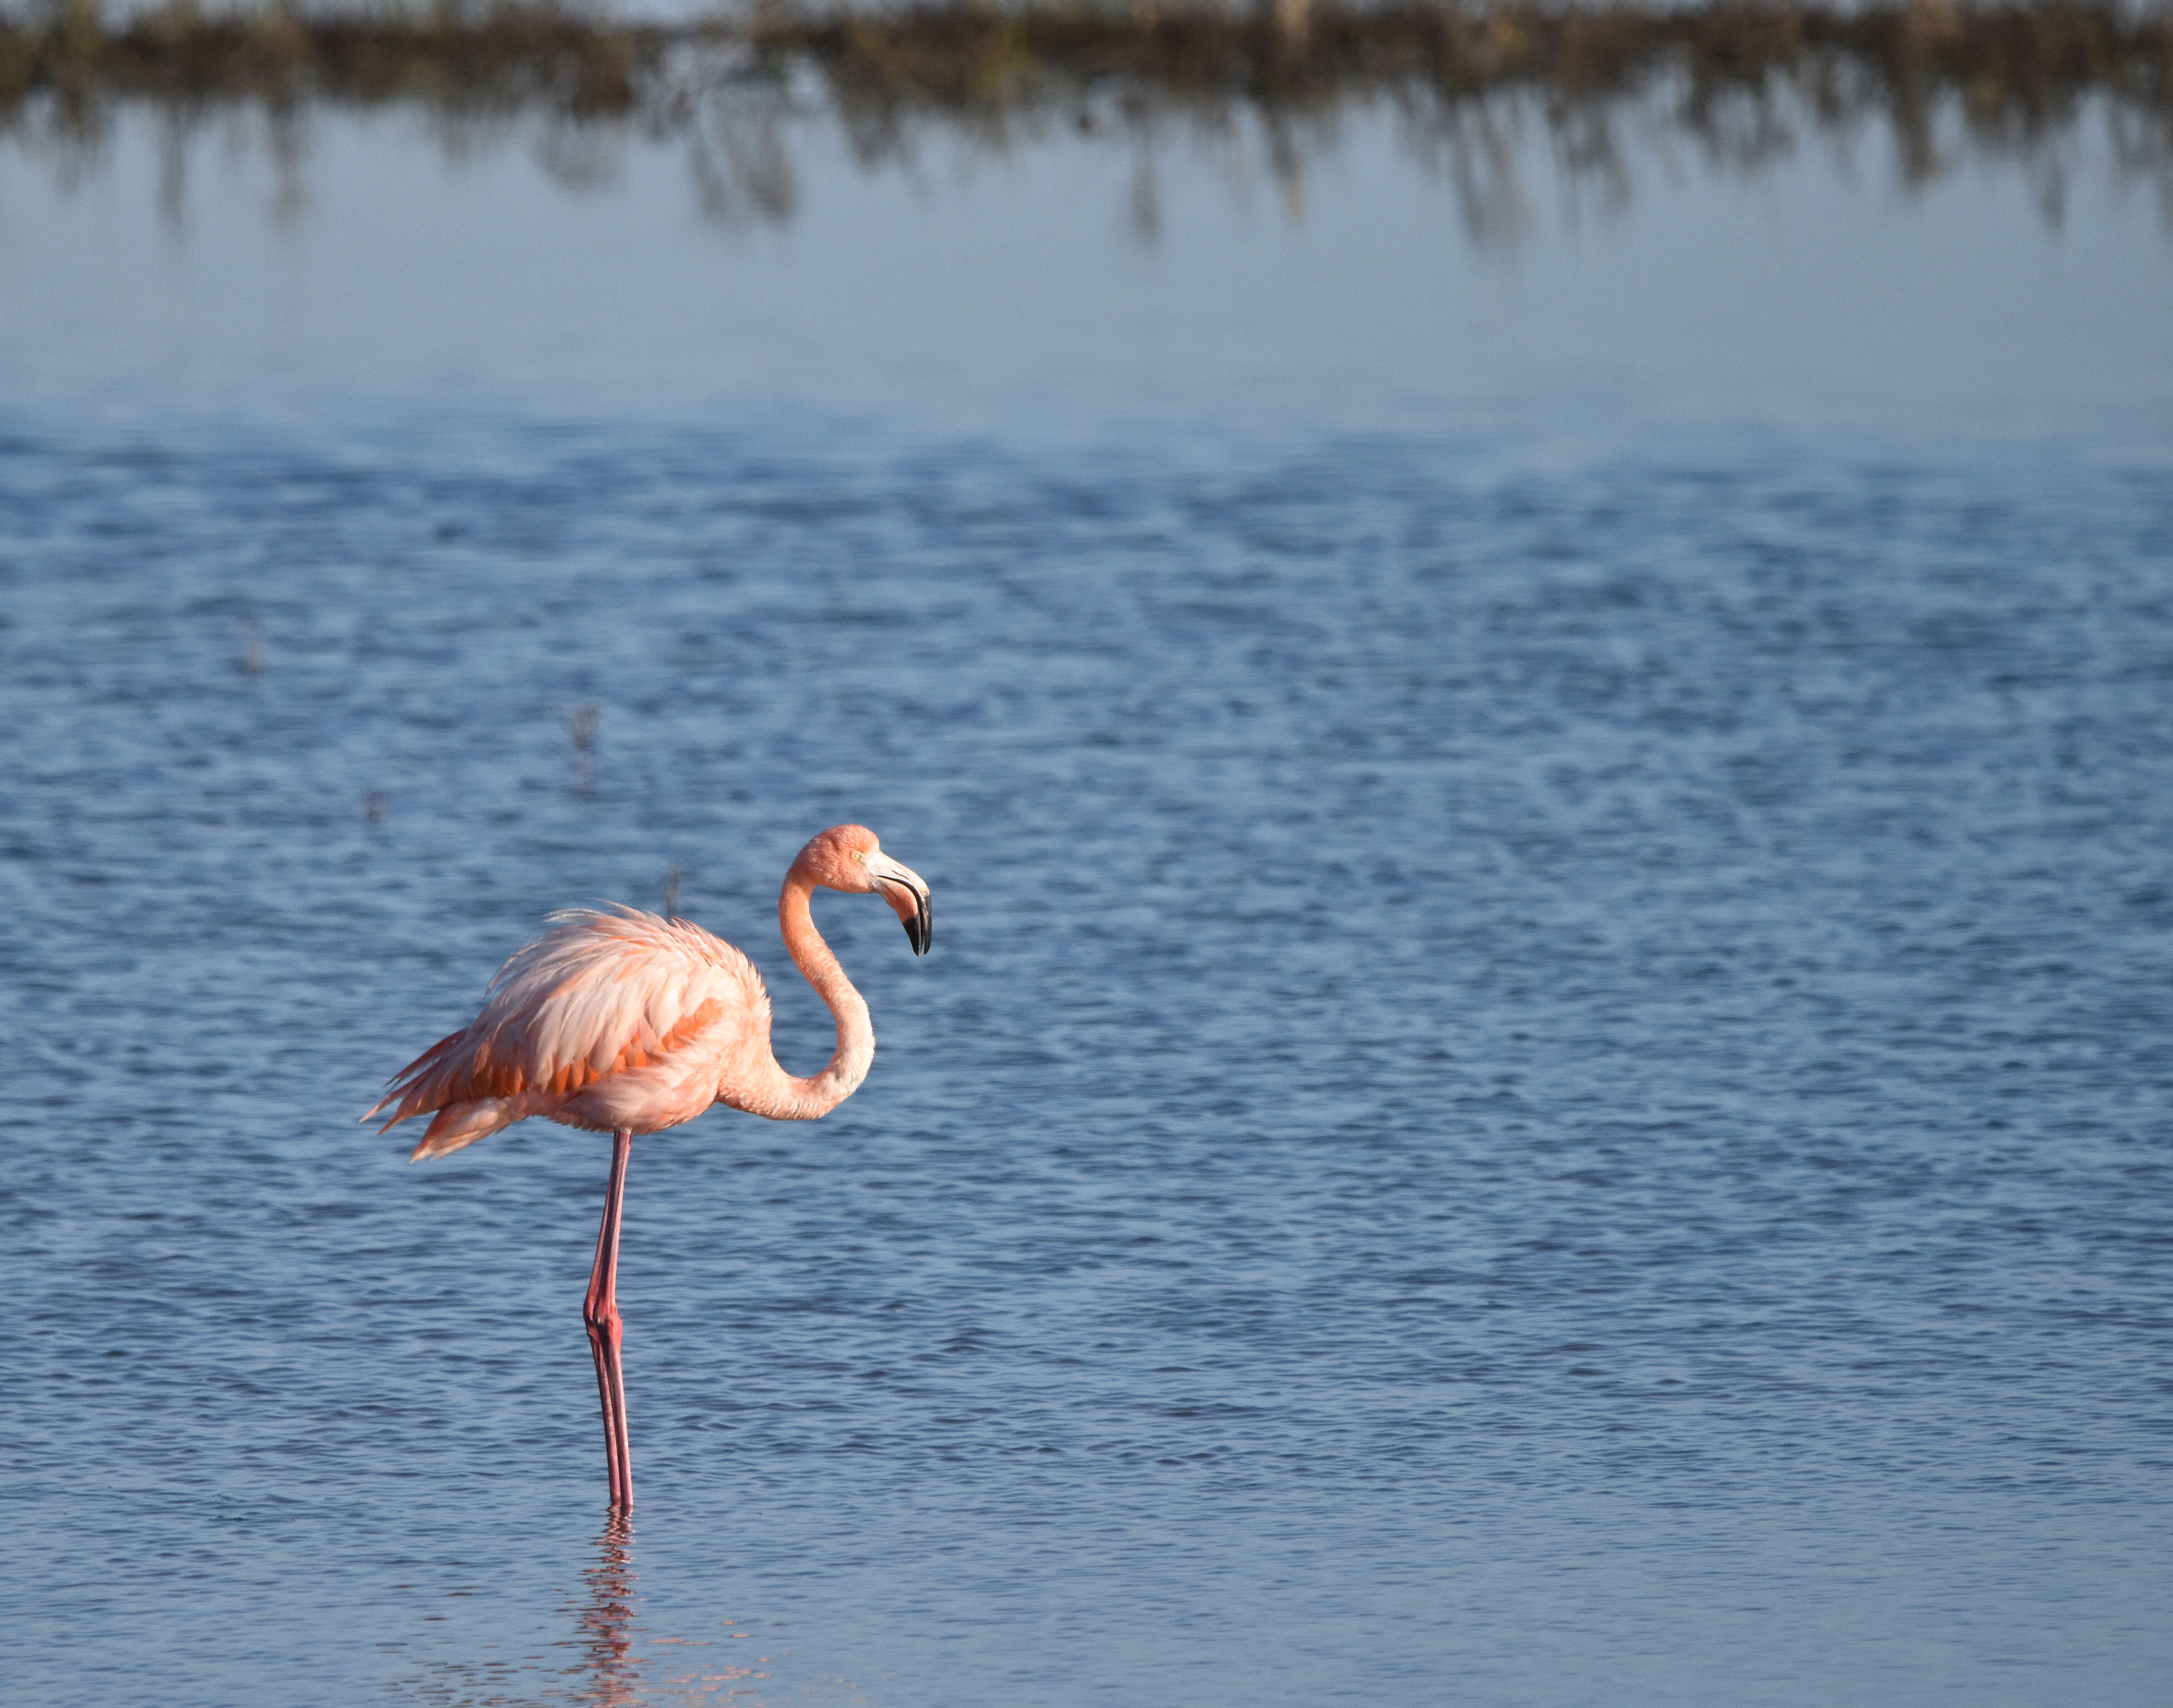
point(623, 1667)
point(1615, 92)
point(607, 1667)
point(616, 1662)
point(607, 1620)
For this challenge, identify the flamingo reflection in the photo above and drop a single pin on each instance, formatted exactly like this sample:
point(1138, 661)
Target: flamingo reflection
point(609, 1660)
point(607, 1621)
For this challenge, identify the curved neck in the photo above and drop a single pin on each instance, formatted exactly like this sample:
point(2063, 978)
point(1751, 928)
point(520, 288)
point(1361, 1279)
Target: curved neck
point(793, 1099)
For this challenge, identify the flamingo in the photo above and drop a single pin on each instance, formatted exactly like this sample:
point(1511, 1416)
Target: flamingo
point(622, 1023)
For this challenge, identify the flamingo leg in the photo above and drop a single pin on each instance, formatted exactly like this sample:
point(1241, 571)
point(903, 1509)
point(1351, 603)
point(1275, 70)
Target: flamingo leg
point(600, 1313)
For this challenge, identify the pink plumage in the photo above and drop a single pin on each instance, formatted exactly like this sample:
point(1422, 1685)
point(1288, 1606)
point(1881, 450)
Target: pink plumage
point(610, 1019)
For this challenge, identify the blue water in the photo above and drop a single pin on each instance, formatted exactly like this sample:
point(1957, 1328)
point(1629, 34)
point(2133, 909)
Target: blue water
point(1544, 1078)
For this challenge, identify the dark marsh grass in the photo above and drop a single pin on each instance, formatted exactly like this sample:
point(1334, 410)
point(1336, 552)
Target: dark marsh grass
point(1744, 83)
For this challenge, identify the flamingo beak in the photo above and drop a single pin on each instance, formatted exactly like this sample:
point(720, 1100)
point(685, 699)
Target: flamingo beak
point(906, 892)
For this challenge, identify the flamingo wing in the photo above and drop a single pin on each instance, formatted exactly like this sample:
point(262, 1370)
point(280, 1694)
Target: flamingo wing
point(599, 993)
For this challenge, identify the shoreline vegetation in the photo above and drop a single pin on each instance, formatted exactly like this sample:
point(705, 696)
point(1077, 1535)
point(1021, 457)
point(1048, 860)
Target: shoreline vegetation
point(1744, 83)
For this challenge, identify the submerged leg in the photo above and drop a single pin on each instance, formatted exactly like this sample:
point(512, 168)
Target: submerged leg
point(600, 1313)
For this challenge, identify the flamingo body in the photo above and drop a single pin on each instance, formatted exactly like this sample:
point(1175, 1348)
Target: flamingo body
point(622, 1023)
point(609, 1021)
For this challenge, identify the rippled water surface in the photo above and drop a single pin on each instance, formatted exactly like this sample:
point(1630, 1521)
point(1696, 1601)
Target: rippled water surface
point(1544, 1078)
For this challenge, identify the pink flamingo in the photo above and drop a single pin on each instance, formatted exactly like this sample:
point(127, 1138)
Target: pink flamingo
point(622, 1023)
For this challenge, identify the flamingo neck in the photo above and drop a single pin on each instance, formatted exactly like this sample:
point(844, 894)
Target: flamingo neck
point(791, 1098)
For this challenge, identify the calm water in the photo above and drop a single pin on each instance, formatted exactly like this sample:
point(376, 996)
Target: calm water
point(1543, 1081)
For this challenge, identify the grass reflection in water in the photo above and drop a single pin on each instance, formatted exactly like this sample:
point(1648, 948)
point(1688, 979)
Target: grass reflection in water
point(1745, 85)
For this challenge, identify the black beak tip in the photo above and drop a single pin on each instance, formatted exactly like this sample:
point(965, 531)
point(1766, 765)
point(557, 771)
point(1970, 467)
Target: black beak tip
point(921, 929)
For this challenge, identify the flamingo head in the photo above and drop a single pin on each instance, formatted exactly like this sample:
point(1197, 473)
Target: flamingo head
point(847, 857)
